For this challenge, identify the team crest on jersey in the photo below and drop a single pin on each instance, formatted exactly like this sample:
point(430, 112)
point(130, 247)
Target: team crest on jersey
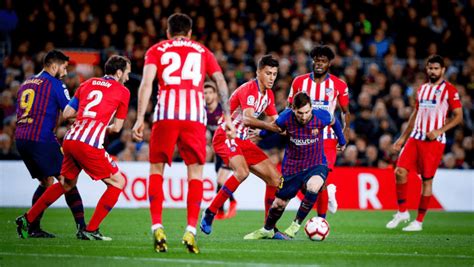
point(329, 91)
point(437, 92)
point(250, 100)
point(315, 131)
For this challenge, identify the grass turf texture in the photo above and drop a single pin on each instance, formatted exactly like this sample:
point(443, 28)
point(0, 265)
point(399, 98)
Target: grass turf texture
point(356, 238)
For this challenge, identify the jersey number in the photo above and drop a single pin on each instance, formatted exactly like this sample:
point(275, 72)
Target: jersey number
point(26, 102)
point(191, 69)
point(96, 97)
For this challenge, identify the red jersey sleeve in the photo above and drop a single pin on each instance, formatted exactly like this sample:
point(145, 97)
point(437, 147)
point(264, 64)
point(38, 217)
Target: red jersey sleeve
point(293, 90)
point(211, 63)
point(151, 56)
point(343, 94)
point(454, 100)
point(247, 97)
point(77, 93)
point(271, 109)
point(122, 109)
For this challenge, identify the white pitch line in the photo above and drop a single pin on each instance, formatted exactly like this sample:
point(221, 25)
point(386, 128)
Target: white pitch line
point(260, 251)
point(120, 258)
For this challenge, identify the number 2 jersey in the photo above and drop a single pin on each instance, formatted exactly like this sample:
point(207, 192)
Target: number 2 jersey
point(40, 100)
point(182, 65)
point(97, 100)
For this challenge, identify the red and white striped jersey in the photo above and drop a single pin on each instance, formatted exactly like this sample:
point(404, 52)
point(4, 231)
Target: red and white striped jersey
point(182, 65)
point(249, 96)
point(99, 99)
point(324, 95)
point(433, 103)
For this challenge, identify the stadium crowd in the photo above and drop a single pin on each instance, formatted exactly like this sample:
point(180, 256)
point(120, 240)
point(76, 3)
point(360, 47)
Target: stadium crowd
point(380, 48)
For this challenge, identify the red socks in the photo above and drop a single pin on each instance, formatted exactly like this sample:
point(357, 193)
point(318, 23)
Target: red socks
point(156, 198)
point(49, 197)
point(105, 205)
point(402, 196)
point(194, 201)
point(227, 189)
point(423, 208)
point(322, 203)
point(270, 192)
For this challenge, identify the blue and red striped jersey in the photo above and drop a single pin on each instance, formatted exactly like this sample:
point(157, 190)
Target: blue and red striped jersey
point(40, 101)
point(305, 147)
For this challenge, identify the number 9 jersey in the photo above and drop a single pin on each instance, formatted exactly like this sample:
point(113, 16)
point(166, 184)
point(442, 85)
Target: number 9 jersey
point(97, 100)
point(182, 65)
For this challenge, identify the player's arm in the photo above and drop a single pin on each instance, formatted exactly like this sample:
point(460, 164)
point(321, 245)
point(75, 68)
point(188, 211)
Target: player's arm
point(223, 91)
point(336, 126)
point(397, 146)
point(116, 126)
point(250, 121)
point(346, 118)
point(450, 123)
point(144, 94)
point(70, 111)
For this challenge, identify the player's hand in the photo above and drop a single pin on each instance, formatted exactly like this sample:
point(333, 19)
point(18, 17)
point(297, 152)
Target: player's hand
point(397, 146)
point(433, 134)
point(137, 131)
point(254, 135)
point(340, 148)
point(229, 127)
point(274, 128)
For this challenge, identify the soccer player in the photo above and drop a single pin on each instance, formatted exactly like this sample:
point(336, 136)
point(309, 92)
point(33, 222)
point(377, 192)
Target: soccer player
point(326, 91)
point(94, 105)
point(40, 99)
point(247, 103)
point(214, 114)
point(304, 165)
point(426, 139)
point(180, 65)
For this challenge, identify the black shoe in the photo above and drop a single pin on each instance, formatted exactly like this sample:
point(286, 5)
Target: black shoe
point(79, 234)
point(94, 235)
point(40, 233)
point(22, 226)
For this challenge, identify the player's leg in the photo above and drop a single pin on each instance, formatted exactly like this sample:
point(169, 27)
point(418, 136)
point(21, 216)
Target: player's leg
point(223, 174)
point(428, 165)
point(407, 161)
point(241, 172)
point(324, 202)
point(35, 230)
point(115, 185)
point(162, 143)
point(315, 179)
point(426, 193)
point(272, 177)
point(268, 230)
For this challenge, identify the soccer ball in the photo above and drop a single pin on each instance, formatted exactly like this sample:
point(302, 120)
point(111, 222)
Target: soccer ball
point(317, 229)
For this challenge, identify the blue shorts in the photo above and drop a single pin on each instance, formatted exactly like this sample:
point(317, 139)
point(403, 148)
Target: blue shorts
point(293, 183)
point(219, 163)
point(43, 159)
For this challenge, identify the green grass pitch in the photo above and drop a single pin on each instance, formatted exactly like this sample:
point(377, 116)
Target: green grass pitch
point(357, 238)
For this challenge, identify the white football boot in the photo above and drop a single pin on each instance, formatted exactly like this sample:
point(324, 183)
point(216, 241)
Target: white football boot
point(397, 219)
point(414, 226)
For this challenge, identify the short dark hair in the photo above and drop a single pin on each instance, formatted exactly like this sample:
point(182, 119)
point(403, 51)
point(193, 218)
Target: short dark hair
point(115, 63)
point(300, 100)
point(267, 60)
point(179, 24)
point(55, 56)
point(436, 59)
point(212, 85)
point(322, 51)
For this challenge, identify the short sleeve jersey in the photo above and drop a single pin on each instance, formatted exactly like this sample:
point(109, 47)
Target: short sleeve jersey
point(325, 95)
point(246, 96)
point(182, 65)
point(99, 100)
point(433, 103)
point(305, 147)
point(40, 101)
